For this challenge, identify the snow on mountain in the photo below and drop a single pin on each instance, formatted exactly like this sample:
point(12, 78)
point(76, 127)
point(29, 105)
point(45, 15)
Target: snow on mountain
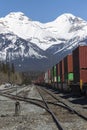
point(12, 47)
point(25, 28)
point(68, 26)
point(45, 35)
point(20, 37)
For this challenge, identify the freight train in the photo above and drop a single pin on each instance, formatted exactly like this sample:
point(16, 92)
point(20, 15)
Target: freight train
point(70, 74)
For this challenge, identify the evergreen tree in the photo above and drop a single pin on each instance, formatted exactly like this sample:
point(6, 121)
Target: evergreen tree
point(3, 67)
point(12, 68)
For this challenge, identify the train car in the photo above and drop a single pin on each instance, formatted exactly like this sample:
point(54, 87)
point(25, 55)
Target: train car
point(54, 79)
point(61, 66)
point(80, 69)
point(40, 80)
point(58, 76)
point(68, 72)
point(47, 78)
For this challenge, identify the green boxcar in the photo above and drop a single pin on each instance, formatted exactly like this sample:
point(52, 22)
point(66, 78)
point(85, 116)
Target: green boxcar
point(58, 79)
point(70, 76)
point(54, 74)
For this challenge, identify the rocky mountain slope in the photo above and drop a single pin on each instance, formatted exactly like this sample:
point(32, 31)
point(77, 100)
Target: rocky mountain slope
point(32, 45)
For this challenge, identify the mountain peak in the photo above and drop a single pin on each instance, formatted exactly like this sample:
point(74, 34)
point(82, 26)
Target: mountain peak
point(32, 44)
point(18, 16)
point(44, 35)
point(67, 17)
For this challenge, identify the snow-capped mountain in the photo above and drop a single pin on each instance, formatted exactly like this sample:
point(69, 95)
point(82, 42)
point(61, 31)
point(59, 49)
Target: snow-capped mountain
point(19, 51)
point(12, 47)
point(25, 41)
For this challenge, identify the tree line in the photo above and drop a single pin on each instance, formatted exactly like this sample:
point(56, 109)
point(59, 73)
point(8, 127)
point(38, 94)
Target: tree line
point(8, 73)
point(7, 67)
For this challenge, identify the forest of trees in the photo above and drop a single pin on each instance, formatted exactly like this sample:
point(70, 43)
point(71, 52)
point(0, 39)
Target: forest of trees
point(8, 74)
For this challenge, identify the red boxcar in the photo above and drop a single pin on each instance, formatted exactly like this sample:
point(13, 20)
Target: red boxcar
point(62, 70)
point(68, 64)
point(83, 75)
point(80, 67)
point(80, 64)
point(68, 68)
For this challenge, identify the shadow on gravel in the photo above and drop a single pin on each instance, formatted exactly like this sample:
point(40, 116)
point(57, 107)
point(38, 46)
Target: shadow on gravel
point(81, 101)
point(70, 95)
point(84, 107)
point(75, 99)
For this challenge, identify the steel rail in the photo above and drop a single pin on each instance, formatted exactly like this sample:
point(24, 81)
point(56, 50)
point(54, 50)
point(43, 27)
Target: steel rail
point(52, 114)
point(68, 107)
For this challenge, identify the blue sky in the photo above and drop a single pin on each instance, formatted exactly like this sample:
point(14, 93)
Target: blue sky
point(44, 10)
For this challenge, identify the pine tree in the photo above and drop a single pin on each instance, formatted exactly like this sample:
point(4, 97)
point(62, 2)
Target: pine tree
point(12, 68)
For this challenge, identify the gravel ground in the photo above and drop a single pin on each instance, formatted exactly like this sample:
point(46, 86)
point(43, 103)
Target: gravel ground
point(80, 105)
point(77, 102)
point(67, 120)
point(31, 117)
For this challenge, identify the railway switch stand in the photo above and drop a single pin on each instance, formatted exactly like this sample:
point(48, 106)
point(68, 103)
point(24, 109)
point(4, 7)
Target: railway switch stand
point(17, 108)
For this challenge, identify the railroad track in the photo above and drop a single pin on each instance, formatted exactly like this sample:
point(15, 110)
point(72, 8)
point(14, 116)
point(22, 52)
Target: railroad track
point(43, 104)
point(17, 89)
point(66, 106)
point(59, 126)
point(37, 102)
point(69, 108)
point(11, 89)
